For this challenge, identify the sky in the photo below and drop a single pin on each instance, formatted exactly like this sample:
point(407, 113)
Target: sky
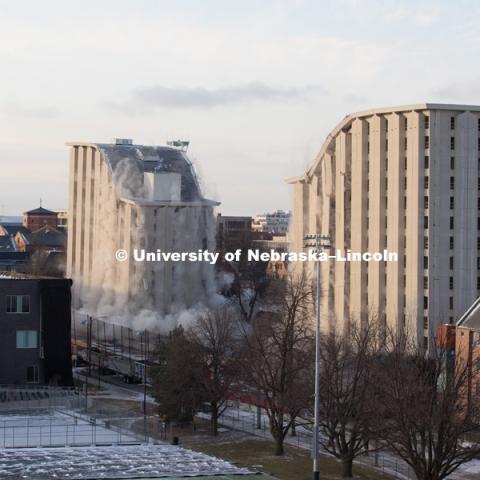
point(256, 86)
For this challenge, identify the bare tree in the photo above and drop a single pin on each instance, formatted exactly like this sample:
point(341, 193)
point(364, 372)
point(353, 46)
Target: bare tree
point(176, 380)
point(278, 359)
point(346, 407)
point(423, 408)
point(215, 337)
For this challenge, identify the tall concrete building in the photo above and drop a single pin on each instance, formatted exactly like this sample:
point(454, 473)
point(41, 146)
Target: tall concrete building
point(405, 179)
point(126, 196)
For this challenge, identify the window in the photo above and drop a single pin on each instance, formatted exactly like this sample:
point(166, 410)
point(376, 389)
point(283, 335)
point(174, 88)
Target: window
point(426, 124)
point(452, 123)
point(450, 263)
point(478, 283)
point(18, 303)
point(452, 223)
point(386, 163)
point(406, 163)
point(405, 183)
point(406, 143)
point(427, 142)
point(425, 202)
point(425, 243)
point(426, 161)
point(478, 263)
point(425, 182)
point(479, 143)
point(479, 124)
point(425, 262)
point(452, 163)
point(452, 203)
point(425, 283)
point(27, 339)
point(451, 243)
point(452, 183)
point(478, 243)
point(450, 283)
point(425, 323)
point(425, 221)
point(386, 144)
point(32, 374)
point(450, 301)
point(452, 143)
point(425, 302)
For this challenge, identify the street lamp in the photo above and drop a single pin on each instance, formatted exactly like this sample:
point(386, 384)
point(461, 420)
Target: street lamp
point(318, 242)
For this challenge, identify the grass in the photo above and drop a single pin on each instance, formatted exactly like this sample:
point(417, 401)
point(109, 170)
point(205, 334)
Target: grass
point(295, 464)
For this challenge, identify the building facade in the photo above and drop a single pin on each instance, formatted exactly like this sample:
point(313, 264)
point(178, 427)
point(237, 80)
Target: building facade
point(403, 179)
point(35, 319)
point(136, 197)
point(38, 218)
point(276, 222)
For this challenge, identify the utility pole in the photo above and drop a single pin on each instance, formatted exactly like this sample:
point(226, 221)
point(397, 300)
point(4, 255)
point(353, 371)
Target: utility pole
point(145, 384)
point(88, 371)
point(318, 242)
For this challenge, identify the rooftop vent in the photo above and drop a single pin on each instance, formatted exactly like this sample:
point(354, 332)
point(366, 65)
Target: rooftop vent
point(122, 141)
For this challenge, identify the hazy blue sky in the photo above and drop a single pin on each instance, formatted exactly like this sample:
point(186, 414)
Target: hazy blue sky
point(254, 85)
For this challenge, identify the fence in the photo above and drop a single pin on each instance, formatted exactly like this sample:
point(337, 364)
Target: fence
point(33, 397)
point(58, 429)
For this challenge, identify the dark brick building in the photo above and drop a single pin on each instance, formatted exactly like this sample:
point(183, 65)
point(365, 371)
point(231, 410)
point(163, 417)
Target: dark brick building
point(35, 319)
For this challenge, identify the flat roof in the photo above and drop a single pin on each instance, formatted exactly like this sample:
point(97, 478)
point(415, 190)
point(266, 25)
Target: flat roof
point(416, 106)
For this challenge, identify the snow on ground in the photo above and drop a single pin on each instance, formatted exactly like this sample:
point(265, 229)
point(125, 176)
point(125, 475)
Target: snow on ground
point(140, 461)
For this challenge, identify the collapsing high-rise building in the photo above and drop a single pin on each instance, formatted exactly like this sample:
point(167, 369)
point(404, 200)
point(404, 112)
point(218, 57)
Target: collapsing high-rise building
point(124, 197)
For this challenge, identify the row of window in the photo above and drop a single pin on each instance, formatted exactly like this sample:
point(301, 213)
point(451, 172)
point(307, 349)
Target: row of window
point(426, 124)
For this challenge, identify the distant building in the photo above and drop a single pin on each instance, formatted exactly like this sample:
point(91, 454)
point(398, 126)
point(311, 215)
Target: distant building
point(35, 318)
point(11, 229)
point(45, 239)
point(62, 219)
point(233, 232)
point(11, 258)
point(275, 222)
point(38, 218)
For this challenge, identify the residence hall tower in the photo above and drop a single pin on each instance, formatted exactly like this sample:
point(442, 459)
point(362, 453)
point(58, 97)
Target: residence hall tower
point(126, 196)
point(404, 179)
